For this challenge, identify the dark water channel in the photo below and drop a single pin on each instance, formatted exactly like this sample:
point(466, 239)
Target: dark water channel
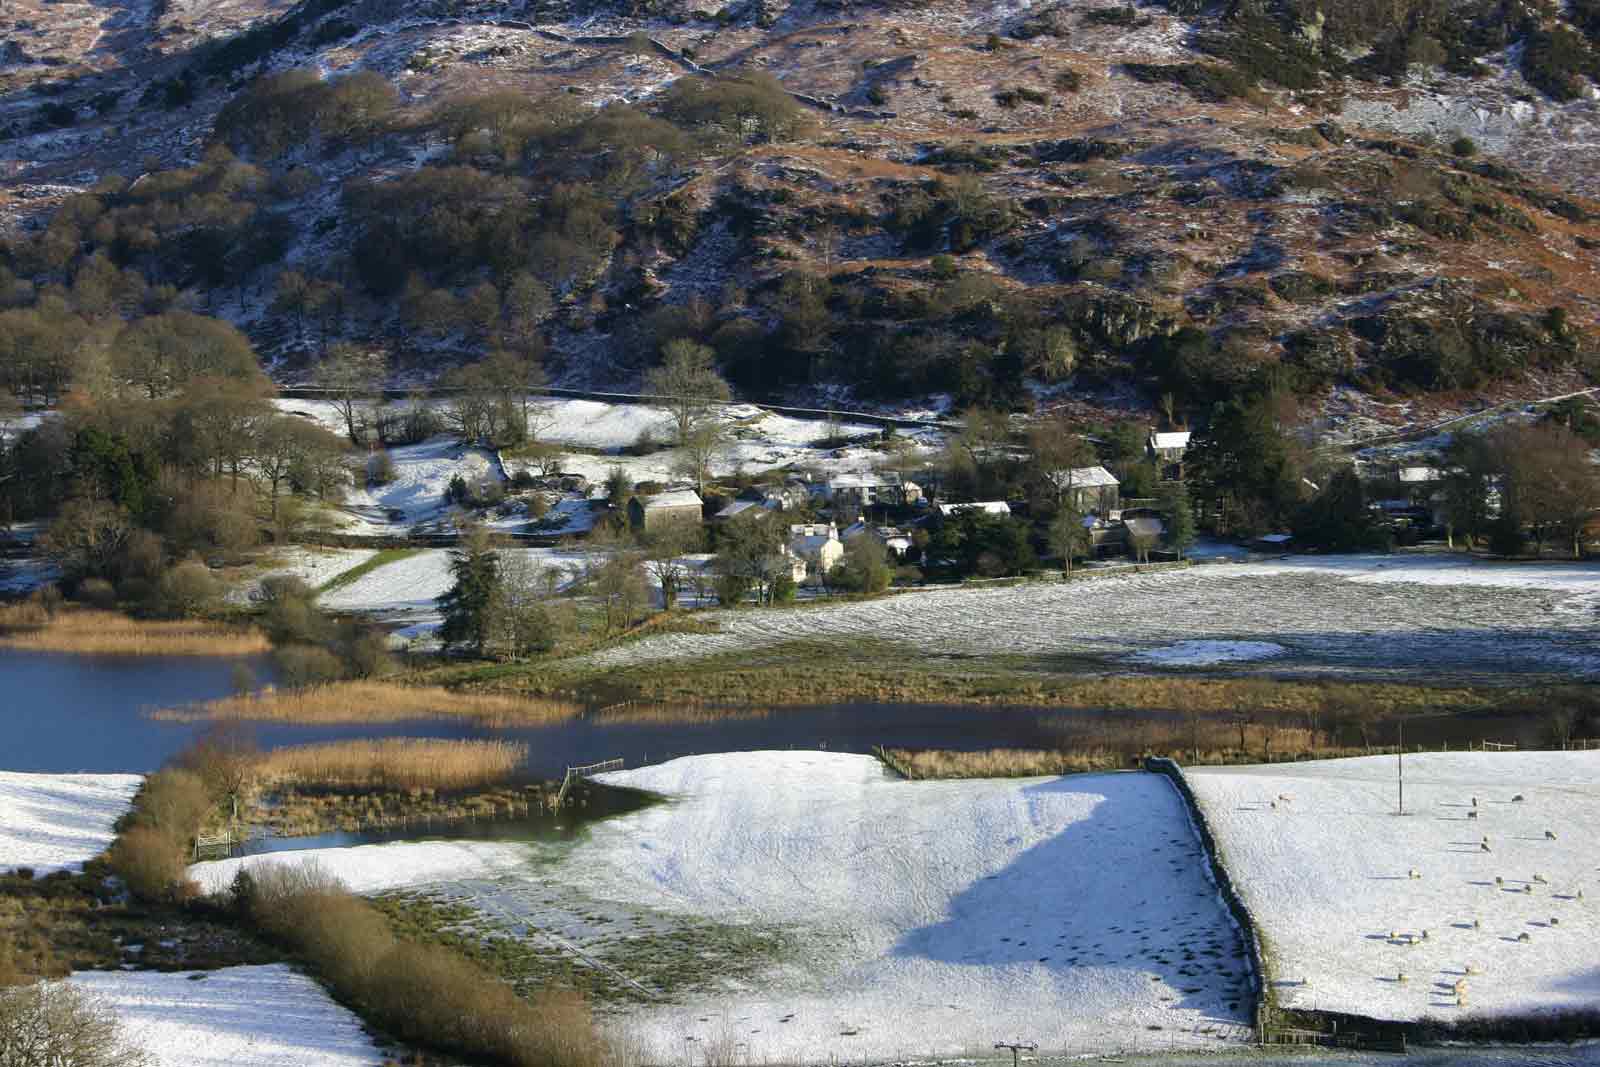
point(63, 713)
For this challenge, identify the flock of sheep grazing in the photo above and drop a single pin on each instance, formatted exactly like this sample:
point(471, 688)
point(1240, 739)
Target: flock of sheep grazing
point(1458, 988)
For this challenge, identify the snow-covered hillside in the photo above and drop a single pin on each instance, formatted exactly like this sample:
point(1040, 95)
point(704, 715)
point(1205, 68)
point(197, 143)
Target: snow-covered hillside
point(53, 822)
point(1349, 895)
point(931, 917)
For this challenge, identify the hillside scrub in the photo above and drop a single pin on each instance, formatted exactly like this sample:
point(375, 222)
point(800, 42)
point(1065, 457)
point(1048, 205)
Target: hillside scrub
point(426, 995)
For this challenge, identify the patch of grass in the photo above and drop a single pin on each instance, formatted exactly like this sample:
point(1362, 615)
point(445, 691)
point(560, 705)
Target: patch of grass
point(682, 957)
point(87, 631)
point(382, 558)
point(369, 701)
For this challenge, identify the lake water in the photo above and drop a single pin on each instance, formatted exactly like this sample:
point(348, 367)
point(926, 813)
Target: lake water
point(63, 713)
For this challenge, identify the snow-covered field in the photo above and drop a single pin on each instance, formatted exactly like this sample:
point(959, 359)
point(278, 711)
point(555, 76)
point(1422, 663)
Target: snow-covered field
point(235, 1017)
point(920, 917)
point(53, 822)
point(407, 588)
point(314, 566)
point(923, 917)
point(422, 475)
point(1372, 615)
point(1328, 875)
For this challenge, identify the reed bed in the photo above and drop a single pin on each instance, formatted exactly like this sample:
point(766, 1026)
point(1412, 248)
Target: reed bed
point(88, 631)
point(369, 701)
point(394, 763)
point(996, 762)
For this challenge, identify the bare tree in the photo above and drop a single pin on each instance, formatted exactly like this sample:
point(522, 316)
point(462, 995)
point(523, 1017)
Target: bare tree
point(701, 447)
point(619, 585)
point(688, 382)
point(225, 758)
point(350, 376)
point(54, 1024)
point(664, 549)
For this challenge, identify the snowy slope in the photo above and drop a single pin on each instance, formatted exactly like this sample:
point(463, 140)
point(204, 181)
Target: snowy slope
point(1327, 875)
point(235, 1017)
point(933, 917)
point(53, 822)
point(422, 475)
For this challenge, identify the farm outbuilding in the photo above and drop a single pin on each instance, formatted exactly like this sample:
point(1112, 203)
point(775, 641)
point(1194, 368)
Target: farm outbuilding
point(650, 513)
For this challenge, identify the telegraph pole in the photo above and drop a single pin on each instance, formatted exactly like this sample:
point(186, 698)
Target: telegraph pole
point(1400, 762)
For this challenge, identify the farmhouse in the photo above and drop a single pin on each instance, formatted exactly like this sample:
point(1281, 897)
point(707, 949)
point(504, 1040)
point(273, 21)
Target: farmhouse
point(865, 488)
point(1167, 451)
point(1088, 488)
point(988, 507)
point(817, 545)
point(896, 540)
point(650, 513)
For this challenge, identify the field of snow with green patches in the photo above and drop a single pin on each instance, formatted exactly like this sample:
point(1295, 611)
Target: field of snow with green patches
point(1449, 618)
point(900, 919)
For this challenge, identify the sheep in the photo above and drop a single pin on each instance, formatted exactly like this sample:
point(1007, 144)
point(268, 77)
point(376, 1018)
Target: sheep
point(1499, 880)
point(1483, 846)
point(1285, 797)
point(1475, 925)
point(1549, 835)
point(1394, 935)
point(1424, 935)
point(1580, 894)
point(1474, 801)
point(1472, 968)
point(1554, 921)
point(1472, 815)
point(1540, 879)
point(1414, 874)
point(1273, 805)
point(1460, 987)
point(1400, 977)
point(1528, 889)
point(1517, 799)
point(1524, 937)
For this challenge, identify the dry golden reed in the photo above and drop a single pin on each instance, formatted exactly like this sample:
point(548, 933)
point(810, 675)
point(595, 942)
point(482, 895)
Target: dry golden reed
point(369, 701)
point(91, 632)
point(997, 762)
point(395, 763)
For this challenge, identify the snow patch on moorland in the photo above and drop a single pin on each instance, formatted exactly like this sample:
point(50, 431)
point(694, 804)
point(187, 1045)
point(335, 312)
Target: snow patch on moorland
point(1327, 875)
point(1205, 653)
point(1394, 614)
point(54, 822)
point(924, 917)
point(233, 1017)
point(378, 868)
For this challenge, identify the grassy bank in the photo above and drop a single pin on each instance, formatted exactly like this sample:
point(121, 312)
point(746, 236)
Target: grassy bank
point(370, 701)
point(920, 764)
point(91, 632)
point(393, 763)
point(822, 672)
